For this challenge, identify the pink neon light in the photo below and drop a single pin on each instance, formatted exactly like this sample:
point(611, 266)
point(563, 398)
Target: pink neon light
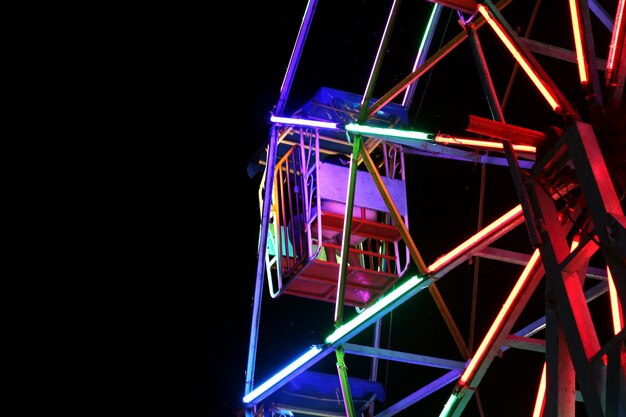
point(613, 46)
point(519, 58)
point(616, 312)
point(495, 326)
point(578, 43)
point(482, 143)
point(445, 259)
point(541, 394)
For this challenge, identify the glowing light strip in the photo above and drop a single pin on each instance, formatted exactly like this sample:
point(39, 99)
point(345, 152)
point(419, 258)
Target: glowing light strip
point(578, 43)
point(618, 320)
point(519, 58)
point(541, 394)
point(482, 143)
point(381, 131)
point(515, 211)
point(617, 27)
point(303, 122)
point(420, 50)
point(495, 326)
point(448, 406)
point(310, 354)
point(375, 308)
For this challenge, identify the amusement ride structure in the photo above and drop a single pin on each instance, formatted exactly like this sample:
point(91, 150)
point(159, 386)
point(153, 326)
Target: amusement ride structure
point(347, 229)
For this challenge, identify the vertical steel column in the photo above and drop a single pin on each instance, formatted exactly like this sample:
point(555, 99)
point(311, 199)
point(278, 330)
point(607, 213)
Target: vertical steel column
point(347, 228)
point(260, 268)
point(342, 370)
point(604, 205)
point(565, 298)
point(267, 198)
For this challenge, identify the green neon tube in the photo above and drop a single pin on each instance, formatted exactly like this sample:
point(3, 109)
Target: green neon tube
point(381, 131)
point(379, 305)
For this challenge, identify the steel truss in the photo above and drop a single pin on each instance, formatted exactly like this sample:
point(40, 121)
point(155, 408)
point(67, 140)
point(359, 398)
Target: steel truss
point(570, 190)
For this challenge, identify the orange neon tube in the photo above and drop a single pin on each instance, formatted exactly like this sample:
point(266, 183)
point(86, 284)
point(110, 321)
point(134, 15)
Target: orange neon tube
point(515, 211)
point(541, 394)
point(578, 42)
point(495, 326)
point(482, 143)
point(618, 319)
point(519, 58)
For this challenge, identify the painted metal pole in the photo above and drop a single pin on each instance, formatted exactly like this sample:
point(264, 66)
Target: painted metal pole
point(483, 72)
point(345, 236)
point(531, 23)
point(347, 221)
point(295, 56)
point(269, 183)
point(260, 269)
point(356, 150)
point(342, 370)
point(422, 51)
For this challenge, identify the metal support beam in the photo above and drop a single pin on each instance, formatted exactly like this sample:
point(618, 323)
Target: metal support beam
point(260, 270)
point(569, 321)
point(604, 205)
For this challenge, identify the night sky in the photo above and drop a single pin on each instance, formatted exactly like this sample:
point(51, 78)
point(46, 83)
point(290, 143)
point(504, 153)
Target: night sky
point(205, 313)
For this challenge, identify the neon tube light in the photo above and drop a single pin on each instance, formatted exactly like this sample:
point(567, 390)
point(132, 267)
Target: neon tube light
point(618, 320)
point(482, 143)
point(303, 122)
point(541, 394)
point(381, 131)
point(443, 260)
point(448, 406)
point(578, 43)
point(310, 354)
point(436, 9)
point(613, 46)
point(519, 58)
point(375, 308)
point(495, 326)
